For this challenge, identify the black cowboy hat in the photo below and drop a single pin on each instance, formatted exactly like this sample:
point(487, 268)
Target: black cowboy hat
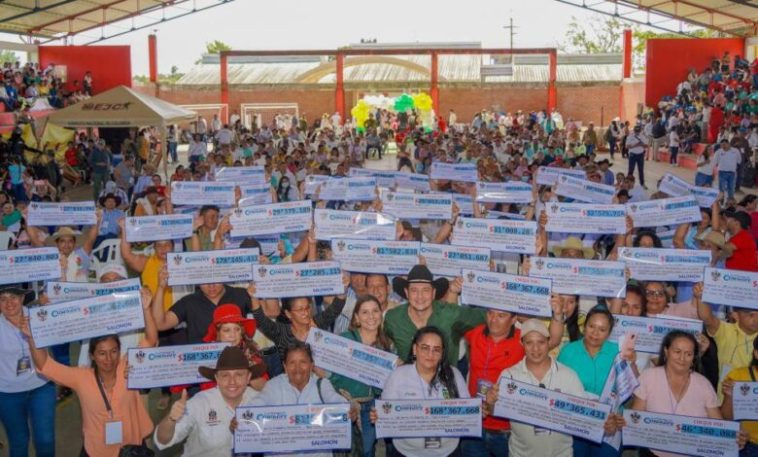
point(231, 358)
point(16, 289)
point(420, 274)
point(110, 195)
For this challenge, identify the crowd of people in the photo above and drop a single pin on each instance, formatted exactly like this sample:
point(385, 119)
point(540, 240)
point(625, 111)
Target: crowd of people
point(24, 85)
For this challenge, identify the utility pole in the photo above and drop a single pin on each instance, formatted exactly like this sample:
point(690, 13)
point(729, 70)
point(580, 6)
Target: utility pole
point(512, 31)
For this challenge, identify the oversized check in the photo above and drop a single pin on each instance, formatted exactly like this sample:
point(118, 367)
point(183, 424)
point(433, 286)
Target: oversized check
point(648, 264)
point(650, 331)
point(241, 175)
point(25, 265)
point(417, 206)
point(581, 277)
point(293, 428)
point(313, 183)
point(506, 292)
point(461, 172)
point(745, 400)
point(731, 288)
point(171, 365)
point(86, 318)
point(45, 214)
point(428, 418)
point(351, 359)
point(585, 218)
point(548, 176)
point(204, 267)
point(667, 211)
point(503, 192)
point(585, 191)
point(496, 234)
point(271, 219)
point(358, 188)
point(449, 260)
point(255, 194)
point(155, 228)
point(550, 409)
point(465, 203)
point(353, 224)
point(58, 292)
point(705, 196)
point(415, 181)
point(298, 280)
point(383, 178)
point(376, 256)
point(678, 187)
point(202, 193)
point(695, 436)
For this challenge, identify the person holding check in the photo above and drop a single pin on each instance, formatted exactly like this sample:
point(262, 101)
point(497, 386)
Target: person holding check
point(743, 374)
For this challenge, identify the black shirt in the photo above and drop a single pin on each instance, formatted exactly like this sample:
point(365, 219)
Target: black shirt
point(197, 311)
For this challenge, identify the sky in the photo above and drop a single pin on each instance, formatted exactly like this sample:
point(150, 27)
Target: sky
point(328, 24)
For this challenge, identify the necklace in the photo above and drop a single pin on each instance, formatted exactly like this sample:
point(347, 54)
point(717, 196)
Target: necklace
point(676, 398)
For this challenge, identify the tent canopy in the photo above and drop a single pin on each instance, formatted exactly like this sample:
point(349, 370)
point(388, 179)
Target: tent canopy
point(121, 107)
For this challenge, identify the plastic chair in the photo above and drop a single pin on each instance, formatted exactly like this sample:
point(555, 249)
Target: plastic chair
point(109, 251)
point(6, 240)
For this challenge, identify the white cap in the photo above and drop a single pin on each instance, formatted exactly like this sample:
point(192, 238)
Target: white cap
point(112, 267)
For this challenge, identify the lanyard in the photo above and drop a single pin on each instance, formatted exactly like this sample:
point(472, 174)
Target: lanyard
point(105, 397)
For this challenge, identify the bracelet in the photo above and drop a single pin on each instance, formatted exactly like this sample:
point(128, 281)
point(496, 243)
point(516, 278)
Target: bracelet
point(172, 419)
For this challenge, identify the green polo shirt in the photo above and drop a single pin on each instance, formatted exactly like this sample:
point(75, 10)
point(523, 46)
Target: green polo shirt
point(592, 371)
point(452, 320)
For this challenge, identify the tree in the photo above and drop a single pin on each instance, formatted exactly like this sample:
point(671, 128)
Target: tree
point(214, 47)
point(597, 35)
point(8, 56)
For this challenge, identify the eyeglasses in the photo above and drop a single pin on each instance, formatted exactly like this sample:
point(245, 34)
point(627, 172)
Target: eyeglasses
point(430, 349)
point(655, 293)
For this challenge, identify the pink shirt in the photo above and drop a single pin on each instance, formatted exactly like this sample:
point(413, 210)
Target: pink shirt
point(685, 309)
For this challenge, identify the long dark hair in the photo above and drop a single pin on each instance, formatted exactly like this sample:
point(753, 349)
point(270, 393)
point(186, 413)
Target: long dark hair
point(572, 322)
point(382, 340)
point(444, 377)
point(754, 363)
point(668, 340)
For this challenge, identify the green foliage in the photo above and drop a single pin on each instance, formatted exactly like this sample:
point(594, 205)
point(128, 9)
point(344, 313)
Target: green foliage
point(162, 79)
point(8, 56)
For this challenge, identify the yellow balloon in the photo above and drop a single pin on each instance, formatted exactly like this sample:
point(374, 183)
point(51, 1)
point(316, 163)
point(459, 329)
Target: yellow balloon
point(422, 101)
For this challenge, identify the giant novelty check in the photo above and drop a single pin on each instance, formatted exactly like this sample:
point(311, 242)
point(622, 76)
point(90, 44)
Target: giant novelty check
point(449, 260)
point(350, 358)
point(255, 194)
point(585, 218)
point(503, 192)
point(25, 265)
point(293, 428)
point(202, 193)
point(298, 280)
point(271, 219)
point(650, 331)
point(506, 292)
point(460, 172)
point(204, 267)
point(648, 264)
point(465, 203)
point(552, 410)
point(87, 318)
point(353, 224)
point(63, 213)
point(584, 191)
point(495, 234)
point(695, 436)
point(548, 176)
point(428, 418)
point(404, 205)
point(155, 228)
point(171, 365)
point(313, 183)
point(745, 400)
point(383, 178)
point(677, 187)
point(731, 288)
point(376, 256)
point(415, 181)
point(357, 188)
point(581, 277)
point(241, 175)
point(58, 292)
point(667, 211)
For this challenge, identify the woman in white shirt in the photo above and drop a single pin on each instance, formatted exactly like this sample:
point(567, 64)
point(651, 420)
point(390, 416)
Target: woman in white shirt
point(704, 175)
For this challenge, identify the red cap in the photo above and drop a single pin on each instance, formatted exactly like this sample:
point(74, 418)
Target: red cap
point(228, 314)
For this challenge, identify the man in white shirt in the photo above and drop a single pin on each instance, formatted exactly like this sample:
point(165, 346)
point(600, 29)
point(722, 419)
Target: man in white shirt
point(727, 159)
point(636, 144)
point(224, 136)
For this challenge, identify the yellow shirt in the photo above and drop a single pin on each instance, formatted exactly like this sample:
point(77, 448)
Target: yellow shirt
point(150, 280)
point(735, 347)
point(742, 374)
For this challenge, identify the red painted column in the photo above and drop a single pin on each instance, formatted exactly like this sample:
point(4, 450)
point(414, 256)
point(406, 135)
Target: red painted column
point(224, 85)
point(339, 90)
point(434, 92)
point(552, 92)
point(152, 52)
point(627, 53)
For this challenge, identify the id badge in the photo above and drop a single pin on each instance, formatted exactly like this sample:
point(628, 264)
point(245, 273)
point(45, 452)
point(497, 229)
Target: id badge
point(482, 387)
point(114, 432)
point(23, 365)
point(432, 443)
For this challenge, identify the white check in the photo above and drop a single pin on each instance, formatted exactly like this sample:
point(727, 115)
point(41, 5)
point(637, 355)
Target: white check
point(365, 364)
point(404, 205)
point(24, 265)
point(667, 211)
point(694, 436)
point(298, 280)
point(506, 292)
point(376, 256)
point(581, 277)
point(271, 219)
point(171, 365)
point(745, 400)
point(383, 178)
point(428, 418)
point(313, 183)
point(357, 188)
point(292, 428)
point(87, 318)
point(648, 264)
point(202, 193)
point(650, 331)
point(353, 224)
point(548, 176)
point(58, 292)
point(461, 172)
point(585, 191)
point(155, 228)
point(503, 192)
point(255, 194)
point(496, 234)
point(585, 218)
point(449, 259)
point(465, 203)
point(705, 196)
point(241, 175)
point(678, 187)
point(552, 410)
point(204, 267)
point(731, 288)
point(415, 181)
point(45, 214)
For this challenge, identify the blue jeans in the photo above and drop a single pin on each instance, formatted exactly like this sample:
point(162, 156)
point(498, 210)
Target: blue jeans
point(172, 145)
point(750, 450)
point(703, 180)
point(674, 152)
point(726, 182)
point(19, 409)
point(489, 445)
point(368, 430)
point(589, 449)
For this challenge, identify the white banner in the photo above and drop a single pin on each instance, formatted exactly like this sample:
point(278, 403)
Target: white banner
point(376, 256)
point(585, 218)
point(351, 359)
point(460, 172)
point(496, 234)
point(298, 280)
point(358, 188)
point(581, 277)
point(25, 265)
point(202, 193)
point(205, 267)
point(731, 288)
point(548, 176)
point(648, 264)
point(46, 214)
point(585, 191)
point(503, 192)
point(417, 206)
point(171, 365)
point(241, 175)
point(353, 224)
point(255, 194)
point(449, 259)
point(745, 401)
point(667, 211)
point(415, 181)
point(694, 436)
point(429, 418)
point(271, 219)
point(58, 292)
point(87, 318)
point(506, 292)
point(156, 228)
point(650, 331)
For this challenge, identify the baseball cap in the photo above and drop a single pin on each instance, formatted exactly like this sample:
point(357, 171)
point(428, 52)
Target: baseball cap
point(534, 325)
